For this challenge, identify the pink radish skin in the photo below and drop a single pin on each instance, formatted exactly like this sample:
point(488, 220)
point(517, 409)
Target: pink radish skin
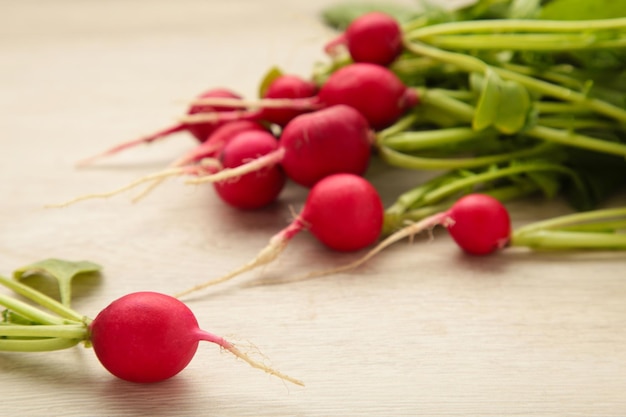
point(201, 131)
point(147, 337)
point(256, 189)
point(286, 87)
point(479, 224)
point(373, 90)
point(377, 93)
point(328, 141)
point(313, 146)
point(374, 37)
point(343, 211)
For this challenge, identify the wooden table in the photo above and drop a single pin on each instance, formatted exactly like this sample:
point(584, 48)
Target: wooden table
point(420, 330)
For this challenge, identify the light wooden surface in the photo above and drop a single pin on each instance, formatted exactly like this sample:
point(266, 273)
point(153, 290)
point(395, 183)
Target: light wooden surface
point(421, 330)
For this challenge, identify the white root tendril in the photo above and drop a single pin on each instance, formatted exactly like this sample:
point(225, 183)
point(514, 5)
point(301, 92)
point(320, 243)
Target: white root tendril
point(257, 164)
point(409, 231)
point(268, 254)
point(258, 365)
point(158, 177)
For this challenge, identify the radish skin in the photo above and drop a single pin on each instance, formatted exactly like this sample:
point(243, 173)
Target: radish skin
point(373, 90)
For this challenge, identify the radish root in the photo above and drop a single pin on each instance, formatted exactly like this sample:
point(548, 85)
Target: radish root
point(275, 247)
point(205, 164)
point(257, 164)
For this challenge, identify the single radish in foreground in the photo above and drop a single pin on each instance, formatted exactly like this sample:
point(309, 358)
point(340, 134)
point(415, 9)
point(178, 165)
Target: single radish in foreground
point(373, 90)
point(141, 337)
point(374, 37)
point(201, 131)
point(343, 211)
point(312, 146)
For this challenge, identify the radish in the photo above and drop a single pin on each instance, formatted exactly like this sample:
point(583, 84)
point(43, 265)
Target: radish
point(286, 87)
point(256, 189)
point(314, 145)
point(374, 37)
point(142, 337)
point(373, 90)
point(343, 211)
point(201, 131)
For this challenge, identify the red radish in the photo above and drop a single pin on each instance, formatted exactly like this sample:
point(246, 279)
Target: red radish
point(374, 37)
point(373, 90)
point(141, 337)
point(201, 131)
point(478, 223)
point(150, 337)
point(256, 189)
point(286, 87)
point(314, 145)
point(343, 211)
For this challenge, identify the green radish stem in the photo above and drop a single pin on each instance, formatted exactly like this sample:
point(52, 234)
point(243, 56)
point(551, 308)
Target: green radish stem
point(37, 345)
point(41, 299)
point(523, 42)
point(518, 25)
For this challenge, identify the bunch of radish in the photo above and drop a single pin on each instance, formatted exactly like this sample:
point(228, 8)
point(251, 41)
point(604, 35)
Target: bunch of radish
point(141, 337)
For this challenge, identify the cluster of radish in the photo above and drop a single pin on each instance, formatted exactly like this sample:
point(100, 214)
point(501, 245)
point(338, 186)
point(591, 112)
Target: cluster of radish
point(320, 135)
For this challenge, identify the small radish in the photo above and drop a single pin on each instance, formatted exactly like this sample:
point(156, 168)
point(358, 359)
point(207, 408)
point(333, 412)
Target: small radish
point(201, 131)
point(314, 145)
point(286, 87)
point(150, 337)
point(373, 90)
point(256, 189)
point(478, 223)
point(142, 337)
point(374, 37)
point(343, 211)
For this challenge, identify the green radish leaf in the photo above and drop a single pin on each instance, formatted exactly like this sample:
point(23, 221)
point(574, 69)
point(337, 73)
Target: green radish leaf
point(61, 270)
point(524, 9)
point(548, 183)
point(513, 108)
point(340, 15)
point(268, 79)
point(583, 9)
point(490, 87)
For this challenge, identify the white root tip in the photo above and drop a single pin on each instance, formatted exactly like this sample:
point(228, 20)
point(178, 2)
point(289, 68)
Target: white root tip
point(265, 256)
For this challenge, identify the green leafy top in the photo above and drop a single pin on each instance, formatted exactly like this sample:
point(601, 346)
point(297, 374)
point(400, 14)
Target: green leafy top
point(61, 270)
